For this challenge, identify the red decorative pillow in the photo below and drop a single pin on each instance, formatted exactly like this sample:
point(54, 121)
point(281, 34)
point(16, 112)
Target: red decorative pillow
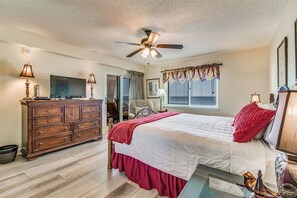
point(250, 120)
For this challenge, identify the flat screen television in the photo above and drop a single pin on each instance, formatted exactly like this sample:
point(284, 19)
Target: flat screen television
point(67, 87)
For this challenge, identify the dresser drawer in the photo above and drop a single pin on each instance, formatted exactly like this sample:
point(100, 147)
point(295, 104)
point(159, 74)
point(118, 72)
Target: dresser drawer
point(43, 132)
point(43, 111)
point(43, 121)
point(86, 134)
point(87, 125)
point(91, 115)
point(72, 114)
point(90, 108)
point(51, 142)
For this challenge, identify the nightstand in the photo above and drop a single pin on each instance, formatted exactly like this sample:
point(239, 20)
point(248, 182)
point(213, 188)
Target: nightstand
point(210, 182)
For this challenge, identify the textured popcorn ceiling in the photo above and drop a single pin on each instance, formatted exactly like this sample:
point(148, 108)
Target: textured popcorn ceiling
point(202, 26)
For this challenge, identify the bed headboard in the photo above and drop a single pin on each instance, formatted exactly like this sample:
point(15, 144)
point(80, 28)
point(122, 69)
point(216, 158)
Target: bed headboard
point(271, 98)
point(282, 88)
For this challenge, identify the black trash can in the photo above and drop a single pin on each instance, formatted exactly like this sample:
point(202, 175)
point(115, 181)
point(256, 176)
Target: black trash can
point(8, 153)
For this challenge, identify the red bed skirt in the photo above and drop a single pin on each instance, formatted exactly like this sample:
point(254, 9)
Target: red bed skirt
point(148, 177)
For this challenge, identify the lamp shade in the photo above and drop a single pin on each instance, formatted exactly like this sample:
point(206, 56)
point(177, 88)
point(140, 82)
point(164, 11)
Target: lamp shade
point(255, 98)
point(92, 79)
point(161, 92)
point(283, 135)
point(27, 71)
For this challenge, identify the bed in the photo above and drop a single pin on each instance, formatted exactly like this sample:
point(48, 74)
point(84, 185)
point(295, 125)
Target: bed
point(173, 146)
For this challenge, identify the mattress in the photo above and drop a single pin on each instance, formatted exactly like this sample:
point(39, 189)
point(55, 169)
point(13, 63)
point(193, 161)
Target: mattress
point(176, 144)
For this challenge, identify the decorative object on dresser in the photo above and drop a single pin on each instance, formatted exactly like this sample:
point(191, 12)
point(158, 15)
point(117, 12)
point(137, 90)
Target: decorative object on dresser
point(161, 94)
point(282, 63)
point(152, 87)
point(92, 81)
point(256, 185)
point(283, 137)
point(259, 189)
point(27, 73)
point(255, 98)
point(55, 124)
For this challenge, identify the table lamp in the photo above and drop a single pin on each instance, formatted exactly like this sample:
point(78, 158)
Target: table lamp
point(161, 93)
point(27, 73)
point(283, 137)
point(92, 81)
point(255, 98)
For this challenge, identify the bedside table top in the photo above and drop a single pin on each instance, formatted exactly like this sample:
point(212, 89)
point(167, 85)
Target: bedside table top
point(210, 182)
point(162, 111)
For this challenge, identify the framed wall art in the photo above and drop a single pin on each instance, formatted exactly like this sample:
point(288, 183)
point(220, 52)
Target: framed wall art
point(282, 63)
point(152, 87)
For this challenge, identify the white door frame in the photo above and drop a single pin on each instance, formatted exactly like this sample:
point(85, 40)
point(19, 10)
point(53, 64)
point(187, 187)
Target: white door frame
point(105, 98)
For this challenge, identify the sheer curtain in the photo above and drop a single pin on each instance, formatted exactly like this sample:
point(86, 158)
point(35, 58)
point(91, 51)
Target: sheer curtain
point(136, 86)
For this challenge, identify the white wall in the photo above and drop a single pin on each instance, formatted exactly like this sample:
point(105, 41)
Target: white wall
point(242, 73)
point(46, 61)
point(285, 28)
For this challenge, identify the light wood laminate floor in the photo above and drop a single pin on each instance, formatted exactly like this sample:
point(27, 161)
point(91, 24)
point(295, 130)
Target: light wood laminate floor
point(78, 171)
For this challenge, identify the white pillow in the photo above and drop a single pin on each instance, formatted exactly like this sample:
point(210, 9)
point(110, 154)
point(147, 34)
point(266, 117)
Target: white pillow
point(265, 132)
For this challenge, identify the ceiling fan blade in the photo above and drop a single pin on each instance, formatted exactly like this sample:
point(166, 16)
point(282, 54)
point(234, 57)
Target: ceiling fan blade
point(153, 37)
point(158, 54)
point(129, 43)
point(135, 52)
point(170, 46)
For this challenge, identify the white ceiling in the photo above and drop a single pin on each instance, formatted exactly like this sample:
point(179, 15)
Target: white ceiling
point(202, 26)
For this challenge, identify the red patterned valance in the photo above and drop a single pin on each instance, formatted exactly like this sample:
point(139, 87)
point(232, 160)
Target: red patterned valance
point(202, 72)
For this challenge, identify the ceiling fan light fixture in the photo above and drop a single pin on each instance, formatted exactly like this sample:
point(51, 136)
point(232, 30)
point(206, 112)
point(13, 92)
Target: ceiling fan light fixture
point(146, 51)
point(153, 53)
point(144, 55)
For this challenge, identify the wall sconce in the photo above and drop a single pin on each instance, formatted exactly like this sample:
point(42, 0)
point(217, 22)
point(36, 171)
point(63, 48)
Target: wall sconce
point(255, 98)
point(27, 73)
point(92, 81)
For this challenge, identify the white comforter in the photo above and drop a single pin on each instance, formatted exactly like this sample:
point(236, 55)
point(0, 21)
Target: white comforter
point(176, 145)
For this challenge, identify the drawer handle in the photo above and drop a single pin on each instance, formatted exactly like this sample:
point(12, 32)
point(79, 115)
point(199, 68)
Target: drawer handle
point(78, 125)
point(95, 123)
point(91, 108)
point(72, 114)
point(95, 131)
point(78, 135)
point(65, 139)
point(40, 144)
point(48, 121)
point(65, 129)
point(40, 132)
point(48, 111)
point(91, 116)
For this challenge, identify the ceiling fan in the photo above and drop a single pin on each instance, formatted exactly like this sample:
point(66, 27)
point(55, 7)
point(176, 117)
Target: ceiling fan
point(148, 45)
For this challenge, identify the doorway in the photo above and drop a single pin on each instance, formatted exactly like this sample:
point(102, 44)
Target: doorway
point(113, 96)
point(126, 89)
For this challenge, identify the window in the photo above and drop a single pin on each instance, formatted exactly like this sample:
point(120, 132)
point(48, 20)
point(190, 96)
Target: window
point(193, 93)
point(178, 93)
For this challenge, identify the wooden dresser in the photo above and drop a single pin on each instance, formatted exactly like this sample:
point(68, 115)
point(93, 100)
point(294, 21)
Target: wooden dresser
point(49, 125)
